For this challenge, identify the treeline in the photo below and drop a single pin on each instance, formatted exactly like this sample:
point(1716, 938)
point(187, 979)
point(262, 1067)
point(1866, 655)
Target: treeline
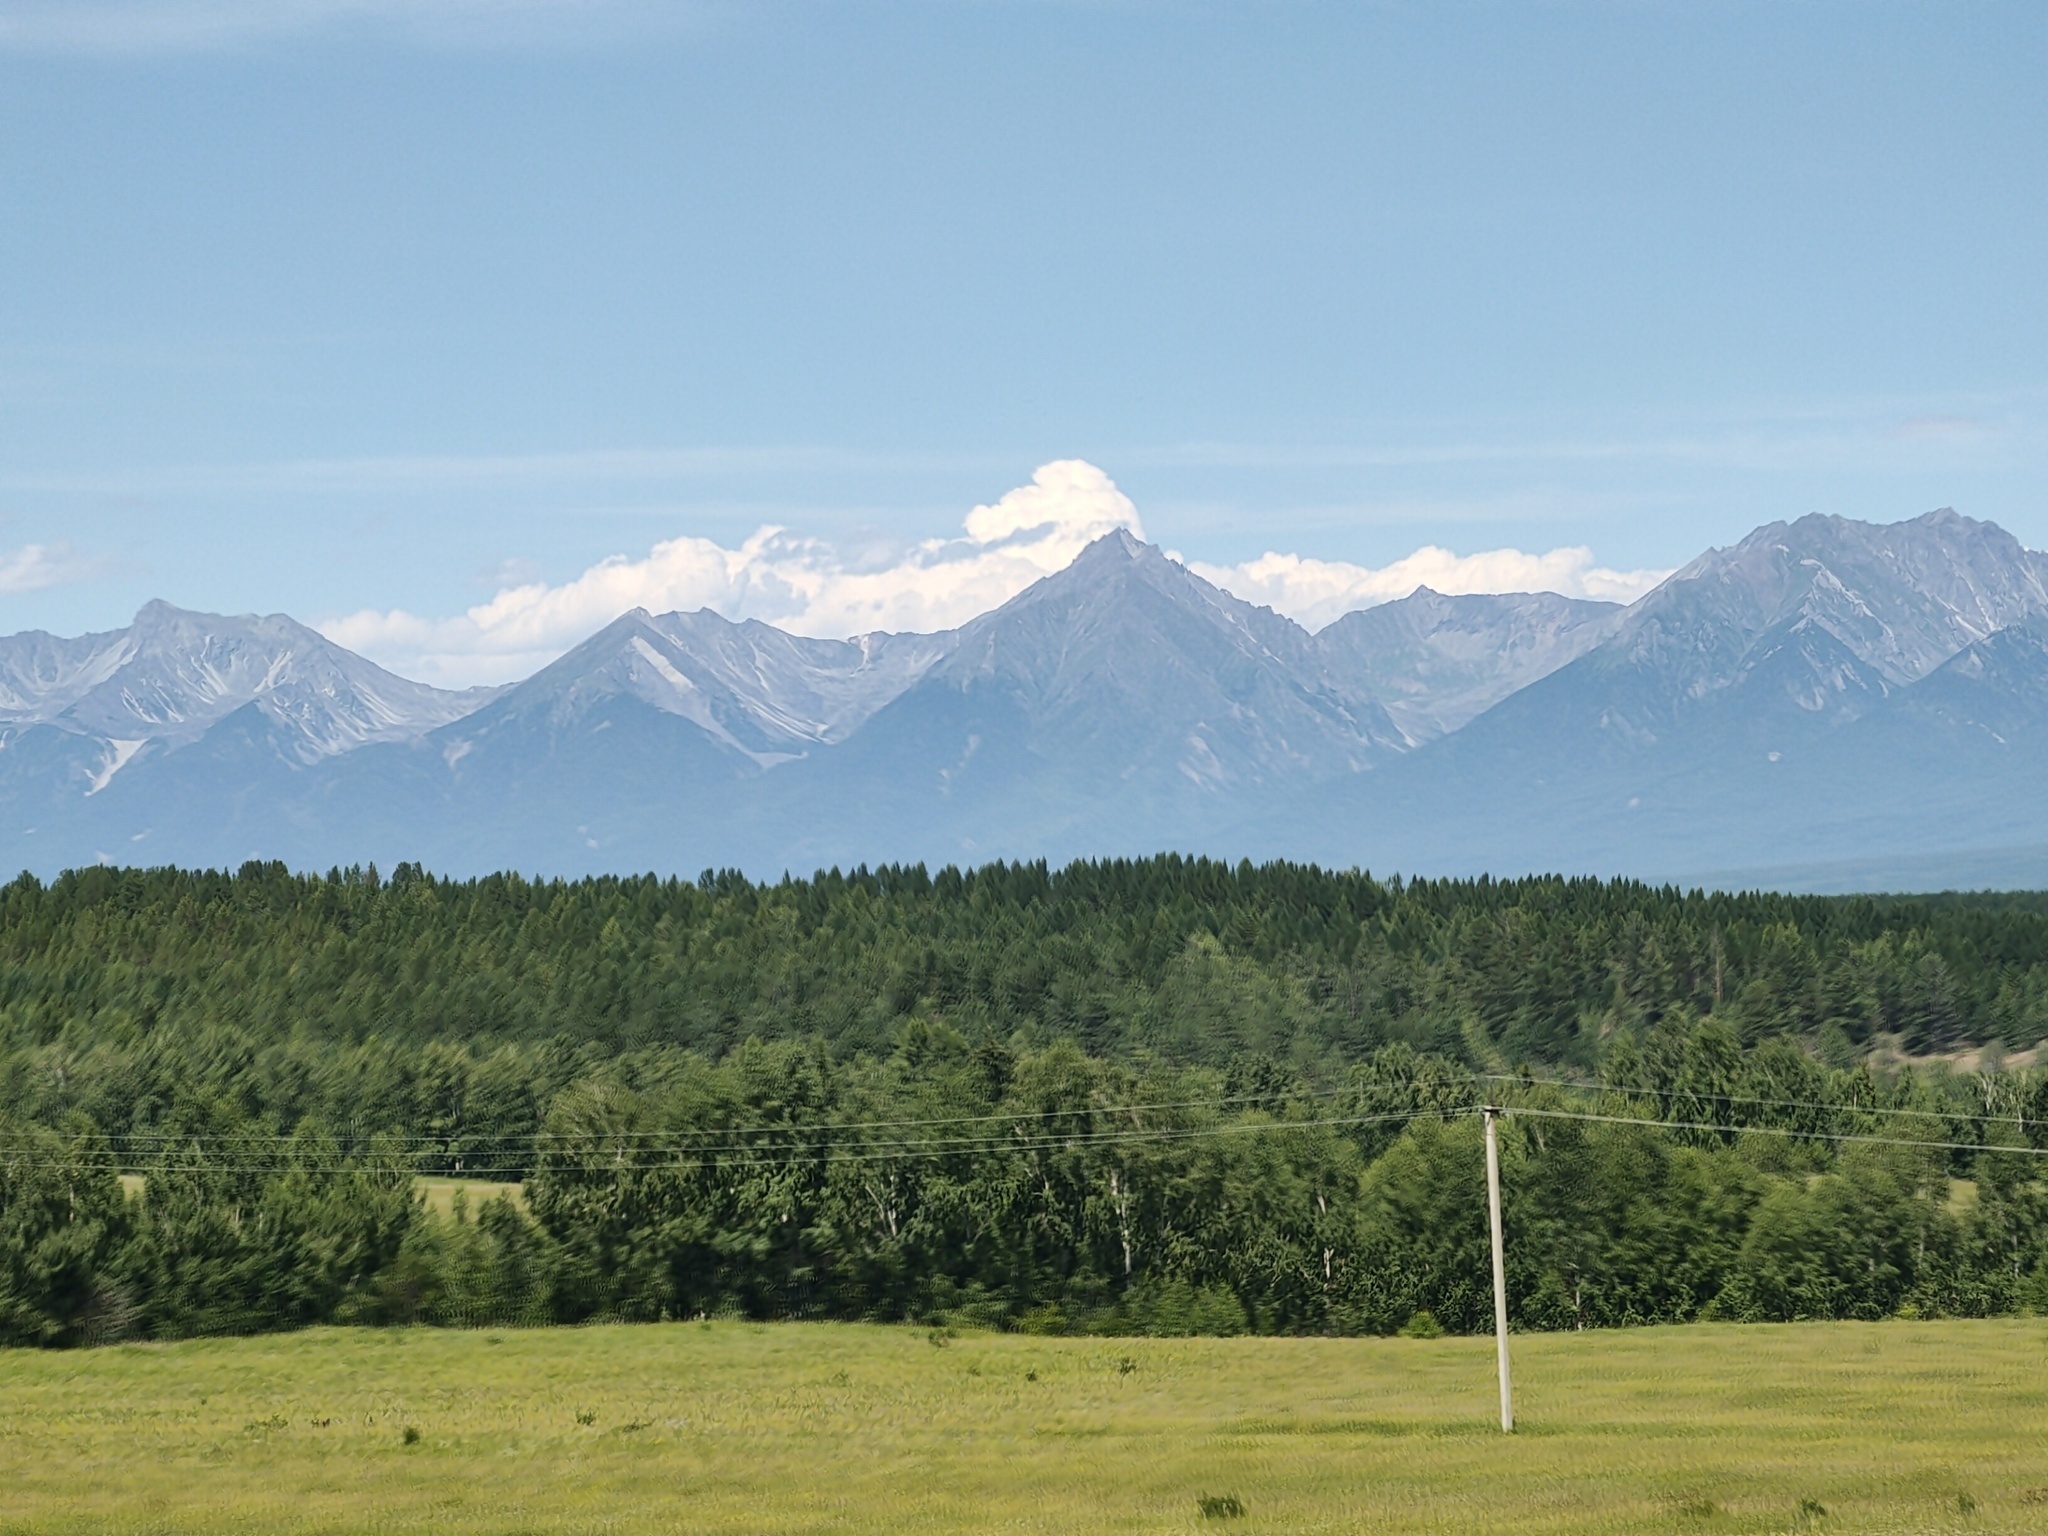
point(954, 1182)
point(1164, 1095)
point(1189, 959)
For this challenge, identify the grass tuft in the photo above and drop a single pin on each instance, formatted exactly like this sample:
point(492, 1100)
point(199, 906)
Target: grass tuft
point(1221, 1506)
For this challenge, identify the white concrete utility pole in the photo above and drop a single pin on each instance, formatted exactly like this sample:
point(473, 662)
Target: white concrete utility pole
point(1500, 1277)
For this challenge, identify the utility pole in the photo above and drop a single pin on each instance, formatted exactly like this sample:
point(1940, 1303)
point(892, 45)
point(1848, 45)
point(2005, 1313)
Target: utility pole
point(1500, 1278)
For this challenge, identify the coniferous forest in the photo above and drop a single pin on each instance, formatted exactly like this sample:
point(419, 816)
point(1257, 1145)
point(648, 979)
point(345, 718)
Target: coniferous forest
point(1162, 1096)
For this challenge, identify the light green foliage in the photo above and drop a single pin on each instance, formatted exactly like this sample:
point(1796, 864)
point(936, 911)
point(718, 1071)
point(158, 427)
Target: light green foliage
point(786, 1428)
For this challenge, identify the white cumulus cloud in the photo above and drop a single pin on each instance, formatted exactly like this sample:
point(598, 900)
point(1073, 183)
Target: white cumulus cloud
point(809, 587)
point(800, 584)
point(1316, 592)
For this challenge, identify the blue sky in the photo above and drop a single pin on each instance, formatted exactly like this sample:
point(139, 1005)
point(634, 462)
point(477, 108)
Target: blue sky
point(373, 312)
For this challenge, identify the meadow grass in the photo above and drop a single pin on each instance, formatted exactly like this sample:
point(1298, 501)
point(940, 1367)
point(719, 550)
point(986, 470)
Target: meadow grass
point(736, 1427)
point(439, 1194)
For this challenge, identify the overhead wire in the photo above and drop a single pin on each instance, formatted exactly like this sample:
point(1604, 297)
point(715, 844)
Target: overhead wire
point(645, 1158)
point(1736, 1098)
point(786, 1144)
point(785, 1127)
point(1793, 1132)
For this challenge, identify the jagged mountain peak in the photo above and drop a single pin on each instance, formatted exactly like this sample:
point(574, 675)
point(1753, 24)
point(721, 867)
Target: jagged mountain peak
point(1112, 562)
point(1900, 598)
point(1435, 660)
point(1118, 544)
point(1117, 589)
point(1097, 591)
point(1941, 515)
point(174, 673)
point(1122, 703)
point(751, 688)
point(1128, 660)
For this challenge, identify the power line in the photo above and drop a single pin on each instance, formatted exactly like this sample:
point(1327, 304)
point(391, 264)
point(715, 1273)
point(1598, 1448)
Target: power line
point(642, 1158)
point(1736, 1098)
point(1774, 1130)
point(240, 1138)
point(832, 1143)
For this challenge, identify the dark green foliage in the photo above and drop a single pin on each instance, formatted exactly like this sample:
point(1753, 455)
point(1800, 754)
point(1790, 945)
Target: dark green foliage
point(498, 1268)
point(62, 1220)
point(458, 1008)
point(225, 1241)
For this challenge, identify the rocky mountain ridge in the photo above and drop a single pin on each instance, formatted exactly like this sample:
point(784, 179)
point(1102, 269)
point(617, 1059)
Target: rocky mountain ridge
point(1790, 699)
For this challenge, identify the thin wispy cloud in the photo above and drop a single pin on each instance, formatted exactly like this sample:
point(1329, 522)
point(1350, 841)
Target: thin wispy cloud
point(1941, 428)
point(811, 587)
point(38, 567)
point(198, 26)
point(1887, 434)
point(389, 473)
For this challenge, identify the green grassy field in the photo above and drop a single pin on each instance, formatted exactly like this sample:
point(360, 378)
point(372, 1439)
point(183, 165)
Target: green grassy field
point(1892, 1427)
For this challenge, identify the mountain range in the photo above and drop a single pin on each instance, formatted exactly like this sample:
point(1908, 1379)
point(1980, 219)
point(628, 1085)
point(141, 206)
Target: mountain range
point(1828, 703)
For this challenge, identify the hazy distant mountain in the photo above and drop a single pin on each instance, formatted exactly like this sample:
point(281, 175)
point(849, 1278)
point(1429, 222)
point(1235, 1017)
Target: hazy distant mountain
point(1994, 691)
point(638, 744)
point(1823, 614)
point(1434, 662)
point(171, 675)
point(1709, 731)
point(1130, 661)
point(1826, 701)
point(1122, 703)
point(81, 720)
point(751, 690)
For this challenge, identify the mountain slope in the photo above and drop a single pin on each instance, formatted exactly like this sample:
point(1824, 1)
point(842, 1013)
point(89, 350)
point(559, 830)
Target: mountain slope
point(1995, 691)
point(1121, 703)
point(1702, 734)
point(104, 739)
point(1782, 610)
point(1822, 696)
point(1435, 662)
point(173, 674)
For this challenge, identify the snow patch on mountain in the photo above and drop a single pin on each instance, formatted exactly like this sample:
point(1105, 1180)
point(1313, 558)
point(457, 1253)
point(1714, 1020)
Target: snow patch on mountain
point(173, 674)
point(119, 755)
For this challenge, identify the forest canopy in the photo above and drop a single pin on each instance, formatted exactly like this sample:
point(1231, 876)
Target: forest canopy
point(1152, 1095)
